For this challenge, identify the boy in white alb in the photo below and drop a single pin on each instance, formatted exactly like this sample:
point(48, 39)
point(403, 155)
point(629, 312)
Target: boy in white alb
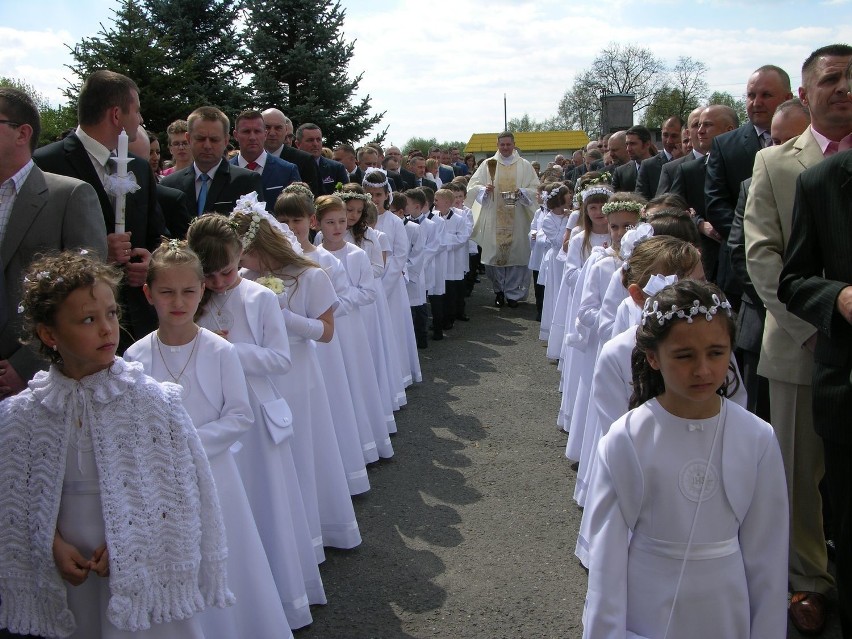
point(456, 235)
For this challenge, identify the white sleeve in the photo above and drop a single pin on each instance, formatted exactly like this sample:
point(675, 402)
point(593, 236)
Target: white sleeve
point(272, 355)
point(235, 416)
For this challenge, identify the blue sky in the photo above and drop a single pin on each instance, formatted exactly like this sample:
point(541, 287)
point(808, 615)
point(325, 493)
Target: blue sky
point(440, 68)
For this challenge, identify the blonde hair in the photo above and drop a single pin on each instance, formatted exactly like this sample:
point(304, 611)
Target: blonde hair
point(660, 255)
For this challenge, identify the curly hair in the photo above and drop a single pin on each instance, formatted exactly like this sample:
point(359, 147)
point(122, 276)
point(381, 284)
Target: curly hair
point(359, 229)
point(647, 381)
point(48, 283)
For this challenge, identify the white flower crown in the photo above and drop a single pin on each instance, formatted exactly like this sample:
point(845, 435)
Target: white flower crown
point(627, 205)
point(652, 310)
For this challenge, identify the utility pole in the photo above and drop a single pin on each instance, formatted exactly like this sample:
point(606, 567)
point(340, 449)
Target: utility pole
point(505, 118)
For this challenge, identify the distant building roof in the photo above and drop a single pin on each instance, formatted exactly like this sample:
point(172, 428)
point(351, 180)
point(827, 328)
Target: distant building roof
point(529, 142)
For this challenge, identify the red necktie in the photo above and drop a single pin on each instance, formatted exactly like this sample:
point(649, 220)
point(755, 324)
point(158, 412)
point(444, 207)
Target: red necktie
point(251, 166)
point(831, 149)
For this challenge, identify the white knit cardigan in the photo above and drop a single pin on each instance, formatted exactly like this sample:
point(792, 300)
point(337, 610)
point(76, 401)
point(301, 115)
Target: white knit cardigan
point(163, 524)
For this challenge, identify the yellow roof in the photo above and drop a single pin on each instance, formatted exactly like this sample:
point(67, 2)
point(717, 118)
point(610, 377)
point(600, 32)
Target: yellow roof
point(529, 142)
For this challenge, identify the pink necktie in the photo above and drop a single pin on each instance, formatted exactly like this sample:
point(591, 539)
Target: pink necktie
point(831, 149)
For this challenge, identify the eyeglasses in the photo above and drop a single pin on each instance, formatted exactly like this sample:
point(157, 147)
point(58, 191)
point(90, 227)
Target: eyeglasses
point(179, 145)
point(14, 125)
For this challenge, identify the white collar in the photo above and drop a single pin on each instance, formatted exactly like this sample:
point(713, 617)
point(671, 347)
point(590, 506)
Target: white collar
point(94, 148)
point(211, 172)
point(261, 160)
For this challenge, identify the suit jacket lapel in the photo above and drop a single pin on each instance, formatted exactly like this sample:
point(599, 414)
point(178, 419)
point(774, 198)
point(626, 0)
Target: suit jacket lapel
point(28, 204)
point(809, 153)
point(78, 157)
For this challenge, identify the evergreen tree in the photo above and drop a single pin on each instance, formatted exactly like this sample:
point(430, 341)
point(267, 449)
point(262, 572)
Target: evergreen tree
point(131, 46)
point(298, 61)
point(202, 34)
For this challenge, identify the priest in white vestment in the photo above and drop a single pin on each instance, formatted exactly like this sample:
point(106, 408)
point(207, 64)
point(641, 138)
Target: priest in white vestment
point(502, 227)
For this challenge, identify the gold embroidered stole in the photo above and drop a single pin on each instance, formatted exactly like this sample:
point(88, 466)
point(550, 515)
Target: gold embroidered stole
point(507, 180)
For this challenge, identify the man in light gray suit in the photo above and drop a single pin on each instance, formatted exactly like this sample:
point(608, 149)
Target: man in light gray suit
point(39, 212)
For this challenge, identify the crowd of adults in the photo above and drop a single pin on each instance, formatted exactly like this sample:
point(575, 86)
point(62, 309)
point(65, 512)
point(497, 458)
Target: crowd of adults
point(769, 197)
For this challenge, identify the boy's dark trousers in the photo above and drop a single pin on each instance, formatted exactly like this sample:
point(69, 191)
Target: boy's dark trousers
point(455, 302)
point(539, 295)
point(420, 317)
point(439, 316)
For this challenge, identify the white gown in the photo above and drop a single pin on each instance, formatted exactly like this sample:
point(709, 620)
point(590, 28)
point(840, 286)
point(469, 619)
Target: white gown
point(538, 243)
point(599, 269)
point(357, 356)
point(646, 488)
point(570, 371)
point(550, 274)
point(81, 524)
point(393, 281)
point(264, 454)
point(216, 398)
point(377, 322)
point(316, 451)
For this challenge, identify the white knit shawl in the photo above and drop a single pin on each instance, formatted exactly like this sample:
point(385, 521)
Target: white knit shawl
point(163, 524)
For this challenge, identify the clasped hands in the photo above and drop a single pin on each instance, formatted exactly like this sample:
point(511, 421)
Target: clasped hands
point(73, 567)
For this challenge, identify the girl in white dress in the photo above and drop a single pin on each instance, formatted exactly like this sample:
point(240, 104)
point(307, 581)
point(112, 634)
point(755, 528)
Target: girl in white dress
point(377, 186)
point(297, 212)
point(553, 225)
point(689, 513)
point(594, 233)
point(248, 316)
point(208, 370)
point(376, 315)
point(360, 292)
point(307, 300)
point(122, 508)
point(538, 247)
point(621, 211)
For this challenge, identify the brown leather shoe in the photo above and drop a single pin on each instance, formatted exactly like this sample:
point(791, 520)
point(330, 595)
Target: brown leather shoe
point(807, 612)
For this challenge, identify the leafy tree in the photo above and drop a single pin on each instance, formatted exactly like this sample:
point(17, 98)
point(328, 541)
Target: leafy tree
point(424, 144)
point(298, 58)
point(54, 120)
point(526, 124)
point(723, 97)
point(684, 93)
point(580, 106)
point(132, 46)
point(202, 35)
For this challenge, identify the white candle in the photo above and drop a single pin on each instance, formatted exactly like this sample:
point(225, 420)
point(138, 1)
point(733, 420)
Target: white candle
point(121, 171)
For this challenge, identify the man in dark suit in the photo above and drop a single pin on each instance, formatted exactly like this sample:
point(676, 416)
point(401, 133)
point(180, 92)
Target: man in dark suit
point(279, 143)
point(329, 172)
point(459, 167)
point(275, 173)
point(816, 285)
point(639, 148)
point(690, 134)
point(649, 170)
point(348, 157)
point(787, 354)
point(715, 120)
point(39, 212)
point(417, 174)
point(108, 103)
point(732, 159)
point(211, 183)
point(617, 149)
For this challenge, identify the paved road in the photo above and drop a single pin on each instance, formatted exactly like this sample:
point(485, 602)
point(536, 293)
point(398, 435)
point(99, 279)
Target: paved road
point(469, 530)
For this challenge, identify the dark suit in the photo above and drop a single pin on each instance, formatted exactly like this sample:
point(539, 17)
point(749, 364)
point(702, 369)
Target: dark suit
point(689, 184)
point(816, 269)
point(410, 181)
point(176, 210)
point(460, 168)
point(143, 217)
point(329, 173)
point(624, 177)
point(228, 184)
point(446, 174)
point(305, 163)
point(667, 173)
point(277, 174)
point(357, 176)
point(51, 213)
point(751, 316)
point(396, 180)
point(649, 175)
point(731, 161)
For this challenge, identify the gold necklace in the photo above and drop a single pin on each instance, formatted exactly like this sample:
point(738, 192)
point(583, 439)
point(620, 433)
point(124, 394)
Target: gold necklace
point(191, 353)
